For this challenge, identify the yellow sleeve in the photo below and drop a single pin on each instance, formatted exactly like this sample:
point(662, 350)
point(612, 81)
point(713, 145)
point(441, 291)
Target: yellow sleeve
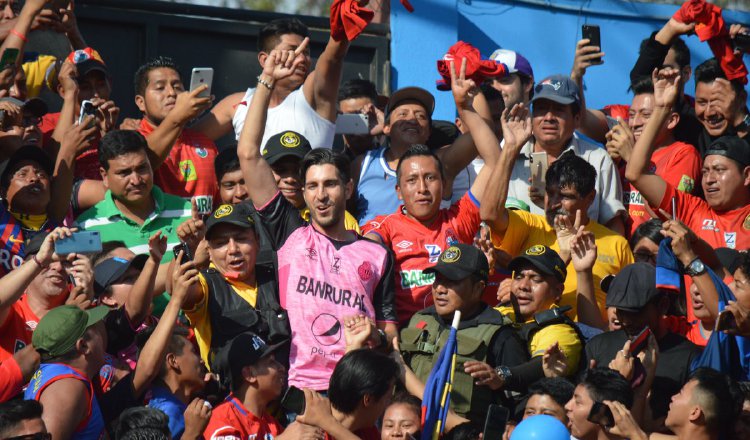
point(199, 321)
point(565, 336)
point(519, 223)
point(351, 223)
point(36, 74)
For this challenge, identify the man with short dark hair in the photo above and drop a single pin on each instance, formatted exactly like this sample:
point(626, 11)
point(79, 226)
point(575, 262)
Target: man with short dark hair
point(20, 418)
point(556, 108)
point(639, 304)
point(549, 396)
point(133, 208)
point(597, 385)
point(359, 96)
point(182, 158)
point(487, 343)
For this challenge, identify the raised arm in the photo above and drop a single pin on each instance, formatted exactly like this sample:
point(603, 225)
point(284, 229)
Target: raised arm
point(583, 253)
point(140, 297)
point(322, 85)
point(465, 94)
point(76, 139)
point(218, 122)
point(516, 131)
point(258, 175)
point(593, 122)
point(651, 186)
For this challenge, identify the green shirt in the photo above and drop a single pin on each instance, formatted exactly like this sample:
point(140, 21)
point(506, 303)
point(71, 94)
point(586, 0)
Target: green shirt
point(170, 212)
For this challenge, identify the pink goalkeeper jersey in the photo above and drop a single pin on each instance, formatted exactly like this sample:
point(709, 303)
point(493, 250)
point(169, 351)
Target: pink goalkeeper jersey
point(321, 280)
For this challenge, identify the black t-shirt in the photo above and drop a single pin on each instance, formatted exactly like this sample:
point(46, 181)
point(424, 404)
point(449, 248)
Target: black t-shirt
point(676, 356)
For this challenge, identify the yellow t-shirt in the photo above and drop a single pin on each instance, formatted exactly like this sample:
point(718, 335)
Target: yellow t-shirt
point(526, 229)
point(200, 320)
point(349, 221)
point(39, 74)
point(567, 338)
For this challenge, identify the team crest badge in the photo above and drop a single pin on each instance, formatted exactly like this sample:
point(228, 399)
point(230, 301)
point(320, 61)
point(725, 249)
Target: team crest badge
point(746, 223)
point(201, 152)
point(451, 255)
point(223, 211)
point(290, 140)
point(537, 249)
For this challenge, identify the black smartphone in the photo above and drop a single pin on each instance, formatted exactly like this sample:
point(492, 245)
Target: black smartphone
point(294, 400)
point(9, 57)
point(725, 321)
point(552, 316)
point(593, 34)
point(742, 42)
point(494, 423)
point(640, 341)
point(186, 256)
point(601, 415)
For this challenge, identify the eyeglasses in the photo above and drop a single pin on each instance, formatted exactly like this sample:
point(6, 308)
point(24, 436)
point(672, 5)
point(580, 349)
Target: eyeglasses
point(35, 436)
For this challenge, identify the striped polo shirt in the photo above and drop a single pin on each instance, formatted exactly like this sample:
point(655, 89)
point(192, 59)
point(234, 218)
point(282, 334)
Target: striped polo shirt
point(169, 213)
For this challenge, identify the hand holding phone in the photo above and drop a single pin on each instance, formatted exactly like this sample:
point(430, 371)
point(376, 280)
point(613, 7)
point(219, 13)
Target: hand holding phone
point(353, 123)
point(601, 415)
point(201, 76)
point(592, 33)
point(186, 254)
point(726, 321)
point(539, 164)
point(82, 242)
point(87, 109)
point(640, 341)
point(294, 400)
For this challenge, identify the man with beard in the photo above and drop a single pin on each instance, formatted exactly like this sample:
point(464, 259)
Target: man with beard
point(570, 190)
point(133, 208)
point(325, 271)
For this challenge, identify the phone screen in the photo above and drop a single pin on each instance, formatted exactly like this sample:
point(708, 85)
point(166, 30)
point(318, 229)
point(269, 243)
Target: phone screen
point(601, 415)
point(494, 423)
point(592, 33)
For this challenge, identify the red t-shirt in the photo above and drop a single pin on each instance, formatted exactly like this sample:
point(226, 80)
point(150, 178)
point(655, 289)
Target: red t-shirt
point(87, 162)
point(188, 171)
point(11, 379)
point(679, 164)
point(16, 331)
point(232, 421)
point(417, 247)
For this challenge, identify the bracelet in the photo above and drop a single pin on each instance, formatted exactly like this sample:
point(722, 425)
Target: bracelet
point(265, 83)
point(19, 35)
point(39, 263)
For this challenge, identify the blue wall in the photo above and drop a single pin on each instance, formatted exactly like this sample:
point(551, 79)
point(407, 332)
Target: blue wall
point(545, 32)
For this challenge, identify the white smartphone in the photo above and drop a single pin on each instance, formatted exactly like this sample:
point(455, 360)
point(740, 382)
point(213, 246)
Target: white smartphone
point(200, 76)
point(87, 109)
point(538, 166)
point(352, 123)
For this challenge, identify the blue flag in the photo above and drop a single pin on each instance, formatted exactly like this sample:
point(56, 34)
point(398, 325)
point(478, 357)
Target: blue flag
point(437, 392)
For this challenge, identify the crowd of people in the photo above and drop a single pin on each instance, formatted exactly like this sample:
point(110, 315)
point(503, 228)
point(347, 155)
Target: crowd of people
point(301, 284)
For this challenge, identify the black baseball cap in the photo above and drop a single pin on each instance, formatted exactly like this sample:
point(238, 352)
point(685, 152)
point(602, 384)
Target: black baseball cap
point(110, 270)
point(238, 215)
point(286, 143)
point(731, 259)
point(633, 288)
point(35, 106)
point(241, 351)
point(417, 94)
point(732, 147)
point(544, 259)
point(460, 261)
point(225, 157)
point(26, 153)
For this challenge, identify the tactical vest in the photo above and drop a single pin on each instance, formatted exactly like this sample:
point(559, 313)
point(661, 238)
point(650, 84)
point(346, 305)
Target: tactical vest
point(231, 315)
point(421, 347)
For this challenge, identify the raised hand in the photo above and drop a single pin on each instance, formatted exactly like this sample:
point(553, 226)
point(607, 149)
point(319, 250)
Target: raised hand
point(623, 363)
point(625, 424)
point(359, 331)
point(157, 246)
point(666, 86)
point(77, 297)
point(281, 64)
point(516, 123)
point(189, 105)
point(46, 252)
point(197, 416)
point(565, 231)
point(193, 230)
point(78, 137)
point(620, 141)
point(586, 56)
point(67, 77)
point(183, 277)
point(683, 240)
point(583, 250)
point(464, 90)
point(554, 362)
point(82, 271)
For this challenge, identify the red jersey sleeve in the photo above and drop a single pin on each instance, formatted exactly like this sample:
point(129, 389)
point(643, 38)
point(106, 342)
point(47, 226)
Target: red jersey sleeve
point(464, 215)
point(380, 227)
point(219, 428)
point(11, 379)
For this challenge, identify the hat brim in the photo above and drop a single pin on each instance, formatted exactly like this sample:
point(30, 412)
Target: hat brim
point(28, 153)
point(452, 273)
point(96, 314)
point(36, 107)
point(88, 66)
point(554, 98)
point(229, 222)
point(418, 94)
point(272, 159)
point(523, 259)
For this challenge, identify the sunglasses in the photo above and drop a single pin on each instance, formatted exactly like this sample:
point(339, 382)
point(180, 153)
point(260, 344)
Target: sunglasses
point(35, 436)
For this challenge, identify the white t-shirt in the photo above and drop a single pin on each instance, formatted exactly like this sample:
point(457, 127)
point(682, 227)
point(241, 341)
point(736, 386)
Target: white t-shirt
point(294, 113)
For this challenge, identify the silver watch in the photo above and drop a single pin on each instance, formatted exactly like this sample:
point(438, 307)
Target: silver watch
point(504, 373)
point(695, 268)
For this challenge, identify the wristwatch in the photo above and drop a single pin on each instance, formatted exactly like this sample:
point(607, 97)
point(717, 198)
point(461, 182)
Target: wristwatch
point(504, 373)
point(695, 268)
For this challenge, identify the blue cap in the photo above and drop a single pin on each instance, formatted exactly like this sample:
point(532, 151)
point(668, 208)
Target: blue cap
point(540, 427)
point(557, 88)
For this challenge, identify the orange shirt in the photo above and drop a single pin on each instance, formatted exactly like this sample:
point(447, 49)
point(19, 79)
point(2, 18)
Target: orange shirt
point(188, 171)
point(15, 332)
point(679, 164)
point(232, 421)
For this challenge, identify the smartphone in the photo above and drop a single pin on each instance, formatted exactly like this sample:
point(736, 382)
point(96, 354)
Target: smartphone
point(200, 76)
point(82, 242)
point(87, 109)
point(554, 315)
point(494, 423)
point(640, 341)
point(592, 33)
point(352, 123)
point(741, 42)
point(601, 415)
point(538, 164)
point(725, 321)
point(186, 256)
point(9, 57)
point(294, 400)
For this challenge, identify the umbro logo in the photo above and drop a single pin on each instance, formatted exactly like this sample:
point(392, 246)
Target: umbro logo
point(404, 244)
